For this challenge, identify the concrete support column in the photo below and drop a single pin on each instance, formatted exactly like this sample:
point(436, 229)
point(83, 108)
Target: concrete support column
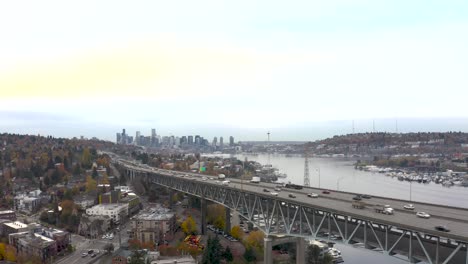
point(171, 202)
point(203, 216)
point(267, 248)
point(300, 250)
point(227, 226)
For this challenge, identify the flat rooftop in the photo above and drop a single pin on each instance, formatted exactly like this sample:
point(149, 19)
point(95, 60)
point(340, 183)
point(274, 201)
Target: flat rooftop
point(16, 225)
point(156, 213)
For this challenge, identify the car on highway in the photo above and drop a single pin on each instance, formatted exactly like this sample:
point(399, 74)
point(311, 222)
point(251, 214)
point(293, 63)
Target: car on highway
point(357, 198)
point(265, 190)
point(442, 228)
point(423, 215)
point(312, 195)
point(409, 206)
point(326, 191)
point(366, 196)
point(292, 195)
point(84, 254)
point(277, 189)
point(274, 193)
point(93, 255)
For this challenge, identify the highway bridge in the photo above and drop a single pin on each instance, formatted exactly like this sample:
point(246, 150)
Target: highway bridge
point(292, 213)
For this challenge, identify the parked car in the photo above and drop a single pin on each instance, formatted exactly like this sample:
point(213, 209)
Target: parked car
point(423, 215)
point(312, 195)
point(292, 195)
point(409, 206)
point(326, 191)
point(442, 228)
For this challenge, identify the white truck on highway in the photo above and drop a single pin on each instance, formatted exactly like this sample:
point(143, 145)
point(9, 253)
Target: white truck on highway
point(383, 209)
point(255, 179)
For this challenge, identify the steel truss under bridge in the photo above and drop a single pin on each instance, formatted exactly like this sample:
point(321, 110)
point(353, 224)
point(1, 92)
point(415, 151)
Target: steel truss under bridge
point(275, 216)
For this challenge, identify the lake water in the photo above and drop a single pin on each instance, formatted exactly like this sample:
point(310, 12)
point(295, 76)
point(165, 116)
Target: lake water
point(340, 174)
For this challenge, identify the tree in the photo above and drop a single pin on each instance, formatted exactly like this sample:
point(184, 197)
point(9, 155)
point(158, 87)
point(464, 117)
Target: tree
point(327, 258)
point(86, 159)
point(94, 173)
point(91, 184)
point(109, 247)
point(227, 254)
point(249, 255)
point(137, 257)
point(213, 251)
point(189, 226)
point(313, 254)
point(237, 232)
point(255, 240)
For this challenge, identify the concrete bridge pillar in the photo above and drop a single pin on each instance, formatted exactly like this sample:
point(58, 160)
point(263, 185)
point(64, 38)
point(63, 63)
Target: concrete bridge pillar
point(267, 248)
point(300, 250)
point(203, 215)
point(171, 201)
point(227, 226)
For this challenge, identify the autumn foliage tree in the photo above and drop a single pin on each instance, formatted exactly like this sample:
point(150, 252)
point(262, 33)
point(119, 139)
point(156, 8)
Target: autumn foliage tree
point(237, 232)
point(189, 226)
point(216, 214)
point(91, 184)
point(255, 240)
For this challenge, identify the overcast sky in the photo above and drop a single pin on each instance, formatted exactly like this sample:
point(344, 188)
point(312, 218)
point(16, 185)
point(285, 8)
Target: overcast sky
point(303, 70)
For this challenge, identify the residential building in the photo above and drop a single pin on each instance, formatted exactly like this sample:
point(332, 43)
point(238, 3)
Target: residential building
point(93, 226)
point(116, 212)
point(33, 244)
point(8, 214)
point(61, 238)
point(29, 202)
point(14, 227)
point(153, 225)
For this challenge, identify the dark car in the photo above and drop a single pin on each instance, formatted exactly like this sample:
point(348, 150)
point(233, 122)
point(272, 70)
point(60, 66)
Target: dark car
point(93, 255)
point(326, 191)
point(265, 190)
point(442, 228)
point(357, 198)
point(366, 196)
point(292, 195)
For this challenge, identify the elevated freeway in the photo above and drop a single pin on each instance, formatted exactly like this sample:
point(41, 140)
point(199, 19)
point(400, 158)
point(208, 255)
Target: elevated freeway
point(291, 212)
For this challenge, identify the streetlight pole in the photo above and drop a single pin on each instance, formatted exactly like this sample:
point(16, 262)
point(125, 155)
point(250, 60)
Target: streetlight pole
point(318, 169)
point(410, 190)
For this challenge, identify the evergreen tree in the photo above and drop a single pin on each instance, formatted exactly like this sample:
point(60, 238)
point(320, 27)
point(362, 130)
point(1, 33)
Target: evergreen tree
point(249, 255)
point(227, 254)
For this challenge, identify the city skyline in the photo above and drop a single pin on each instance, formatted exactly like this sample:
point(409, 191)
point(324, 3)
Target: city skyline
point(303, 71)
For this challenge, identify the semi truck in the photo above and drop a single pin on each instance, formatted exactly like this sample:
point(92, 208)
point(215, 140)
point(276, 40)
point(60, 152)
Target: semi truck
point(383, 209)
point(255, 179)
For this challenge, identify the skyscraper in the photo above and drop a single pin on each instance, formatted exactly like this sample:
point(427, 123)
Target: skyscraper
point(137, 138)
point(190, 140)
point(119, 138)
point(231, 141)
point(220, 142)
point(153, 137)
point(215, 141)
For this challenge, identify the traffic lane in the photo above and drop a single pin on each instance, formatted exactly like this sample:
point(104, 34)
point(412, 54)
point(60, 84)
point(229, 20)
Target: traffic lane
point(403, 220)
point(337, 196)
point(456, 214)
